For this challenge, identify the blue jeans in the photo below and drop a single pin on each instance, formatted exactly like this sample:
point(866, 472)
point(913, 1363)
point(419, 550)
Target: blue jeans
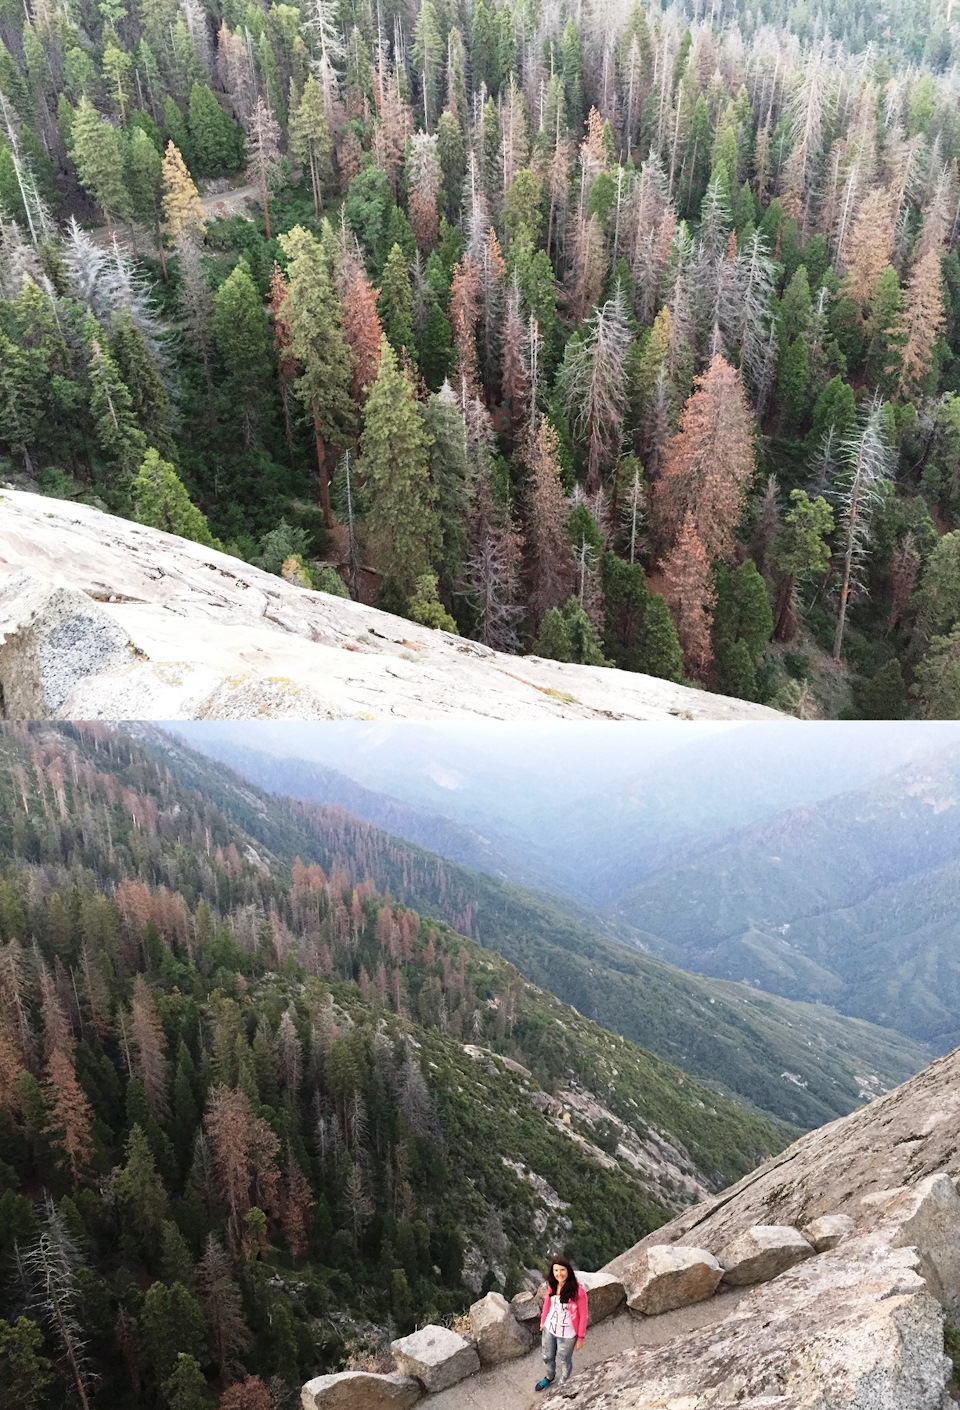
point(554, 1349)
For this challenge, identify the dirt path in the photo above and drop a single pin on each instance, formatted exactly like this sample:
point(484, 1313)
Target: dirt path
point(510, 1386)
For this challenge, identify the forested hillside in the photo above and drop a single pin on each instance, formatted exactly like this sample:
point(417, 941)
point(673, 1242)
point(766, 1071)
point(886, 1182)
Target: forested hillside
point(623, 335)
point(254, 1118)
point(799, 1063)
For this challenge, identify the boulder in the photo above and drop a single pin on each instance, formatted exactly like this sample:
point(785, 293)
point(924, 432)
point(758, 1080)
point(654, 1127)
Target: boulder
point(436, 1356)
point(360, 1390)
point(50, 639)
point(926, 1217)
point(526, 1307)
point(762, 1252)
point(825, 1233)
point(498, 1333)
point(605, 1294)
point(672, 1275)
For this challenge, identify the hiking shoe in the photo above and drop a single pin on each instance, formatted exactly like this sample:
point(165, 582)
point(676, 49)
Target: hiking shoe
point(542, 1384)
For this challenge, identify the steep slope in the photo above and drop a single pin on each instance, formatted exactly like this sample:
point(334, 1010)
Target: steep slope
point(276, 1114)
point(156, 627)
point(580, 810)
point(851, 901)
point(801, 1064)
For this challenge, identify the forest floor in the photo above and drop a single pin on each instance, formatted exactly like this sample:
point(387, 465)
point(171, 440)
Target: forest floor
point(510, 1386)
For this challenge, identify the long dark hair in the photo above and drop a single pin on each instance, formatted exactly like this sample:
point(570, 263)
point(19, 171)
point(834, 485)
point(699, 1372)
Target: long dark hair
point(570, 1284)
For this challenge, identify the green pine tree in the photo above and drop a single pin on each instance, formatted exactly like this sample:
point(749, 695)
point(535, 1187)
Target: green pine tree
point(243, 340)
point(111, 407)
point(394, 462)
point(395, 304)
point(659, 646)
point(313, 314)
point(624, 601)
point(161, 501)
point(149, 398)
point(215, 138)
point(97, 154)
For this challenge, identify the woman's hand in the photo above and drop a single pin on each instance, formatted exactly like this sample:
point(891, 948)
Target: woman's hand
point(579, 1343)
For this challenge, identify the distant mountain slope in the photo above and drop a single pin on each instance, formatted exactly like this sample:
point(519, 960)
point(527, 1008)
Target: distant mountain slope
point(582, 810)
point(852, 900)
point(802, 1064)
point(272, 1116)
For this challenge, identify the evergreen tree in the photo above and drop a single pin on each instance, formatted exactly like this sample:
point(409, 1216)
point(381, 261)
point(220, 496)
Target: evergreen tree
point(186, 1387)
point(624, 605)
point(310, 140)
point(884, 695)
point(214, 136)
point(149, 399)
point(395, 303)
point(241, 336)
point(161, 501)
point(182, 208)
point(143, 172)
point(111, 407)
point(449, 475)
point(394, 451)
point(97, 154)
point(25, 1374)
point(658, 649)
point(317, 342)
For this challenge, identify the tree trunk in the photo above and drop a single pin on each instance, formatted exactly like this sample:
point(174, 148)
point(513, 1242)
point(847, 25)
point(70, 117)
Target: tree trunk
point(322, 467)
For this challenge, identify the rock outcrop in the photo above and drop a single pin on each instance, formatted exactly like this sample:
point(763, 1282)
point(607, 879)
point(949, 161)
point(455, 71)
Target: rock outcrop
point(436, 1356)
point(360, 1390)
point(497, 1332)
point(605, 1295)
point(762, 1252)
point(665, 1277)
point(179, 631)
point(826, 1232)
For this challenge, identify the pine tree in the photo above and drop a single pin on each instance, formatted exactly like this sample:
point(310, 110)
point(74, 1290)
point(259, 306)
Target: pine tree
point(310, 140)
point(449, 475)
point(214, 136)
point(97, 154)
point(183, 214)
point(70, 1114)
point(921, 323)
point(160, 500)
point(140, 1191)
point(149, 398)
point(799, 550)
point(51, 1265)
point(938, 678)
point(147, 1041)
point(317, 342)
point(394, 450)
point(111, 408)
point(263, 137)
point(593, 384)
point(550, 555)
point(867, 251)
point(248, 1394)
point(687, 589)
point(362, 332)
point(25, 1374)
point(658, 648)
point(186, 1386)
point(241, 336)
point(427, 59)
point(866, 464)
point(708, 464)
point(395, 303)
point(143, 171)
point(624, 606)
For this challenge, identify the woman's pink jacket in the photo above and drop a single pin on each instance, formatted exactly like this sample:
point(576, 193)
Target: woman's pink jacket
point(578, 1311)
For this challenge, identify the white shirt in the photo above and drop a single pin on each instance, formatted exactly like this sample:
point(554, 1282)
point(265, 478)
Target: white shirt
point(559, 1321)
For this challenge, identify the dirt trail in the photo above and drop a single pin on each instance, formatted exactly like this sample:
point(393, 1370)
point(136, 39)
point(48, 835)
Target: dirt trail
point(510, 1385)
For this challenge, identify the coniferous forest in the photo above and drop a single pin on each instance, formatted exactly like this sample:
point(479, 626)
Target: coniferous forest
point(256, 1118)
point(626, 335)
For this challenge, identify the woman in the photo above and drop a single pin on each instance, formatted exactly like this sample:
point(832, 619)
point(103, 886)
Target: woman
point(563, 1321)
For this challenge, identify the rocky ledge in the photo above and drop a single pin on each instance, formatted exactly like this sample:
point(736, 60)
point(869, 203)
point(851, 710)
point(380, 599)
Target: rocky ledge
point(101, 618)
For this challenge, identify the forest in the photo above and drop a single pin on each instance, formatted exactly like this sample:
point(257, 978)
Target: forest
point(624, 335)
point(257, 1118)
